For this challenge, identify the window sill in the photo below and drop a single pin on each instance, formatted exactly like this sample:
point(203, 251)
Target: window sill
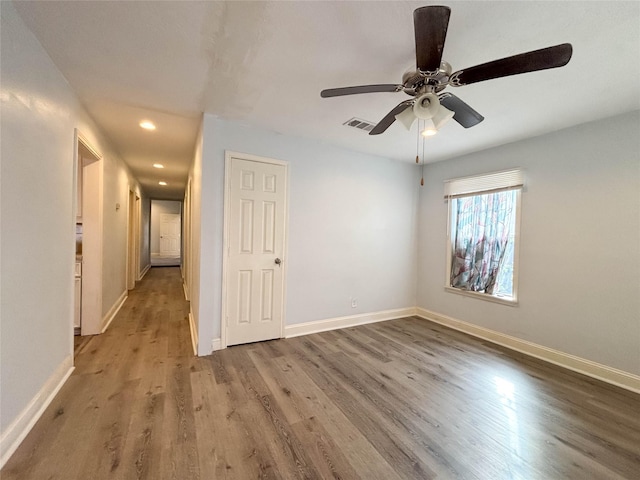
point(510, 301)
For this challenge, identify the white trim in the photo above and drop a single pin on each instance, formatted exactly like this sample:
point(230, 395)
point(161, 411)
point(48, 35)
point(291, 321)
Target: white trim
point(194, 333)
point(228, 157)
point(592, 369)
point(92, 278)
point(488, 182)
point(317, 326)
point(113, 311)
point(216, 344)
point(16, 432)
point(513, 301)
point(144, 271)
point(510, 301)
point(130, 272)
point(185, 289)
point(228, 154)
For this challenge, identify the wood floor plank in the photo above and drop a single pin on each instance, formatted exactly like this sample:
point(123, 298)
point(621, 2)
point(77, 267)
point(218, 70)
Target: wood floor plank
point(345, 394)
point(107, 440)
point(179, 449)
point(310, 401)
point(273, 427)
point(402, 399)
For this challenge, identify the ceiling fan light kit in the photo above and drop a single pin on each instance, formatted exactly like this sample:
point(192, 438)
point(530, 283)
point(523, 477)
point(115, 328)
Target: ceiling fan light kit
point(428, 108)
point(432, 76)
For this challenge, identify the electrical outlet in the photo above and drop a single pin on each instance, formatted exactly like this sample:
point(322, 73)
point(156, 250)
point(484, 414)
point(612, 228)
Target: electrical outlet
point(354, 302)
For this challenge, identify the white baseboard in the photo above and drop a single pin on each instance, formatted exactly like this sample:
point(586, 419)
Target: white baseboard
point(607, 374)
point(186, 291)
point(194, 334)
point(144, 272)
point(216, 344)
point(307, 328)
point(113, 311)
point(16, 432)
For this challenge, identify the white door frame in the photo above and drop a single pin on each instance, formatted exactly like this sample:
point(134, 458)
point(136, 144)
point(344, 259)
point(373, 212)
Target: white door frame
point(92, 213)
point(163, 216)
point(228, 158)
point(133, 238)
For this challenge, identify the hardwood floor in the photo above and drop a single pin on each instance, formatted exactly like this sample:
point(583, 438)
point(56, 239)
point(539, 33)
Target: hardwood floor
point(403, 399)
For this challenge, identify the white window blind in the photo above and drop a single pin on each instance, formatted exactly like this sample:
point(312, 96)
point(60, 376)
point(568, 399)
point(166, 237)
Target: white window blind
point(477, 184)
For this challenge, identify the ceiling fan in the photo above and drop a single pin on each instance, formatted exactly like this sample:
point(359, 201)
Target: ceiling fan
point(432, 75)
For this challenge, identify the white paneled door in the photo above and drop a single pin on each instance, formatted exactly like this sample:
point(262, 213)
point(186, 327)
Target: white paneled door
point(170, 234)
point(255, 272)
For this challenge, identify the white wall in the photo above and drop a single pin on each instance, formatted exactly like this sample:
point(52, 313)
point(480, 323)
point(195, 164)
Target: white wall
point(116, 183)
point(193, 243)
point(158, 207)
point(580, 242)
point(39, 114)
point(352, 226)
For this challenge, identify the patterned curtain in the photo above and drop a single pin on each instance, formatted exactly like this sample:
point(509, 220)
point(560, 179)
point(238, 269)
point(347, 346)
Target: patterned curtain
point(482, 226)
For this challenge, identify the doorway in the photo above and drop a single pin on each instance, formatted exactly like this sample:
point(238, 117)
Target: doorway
point(165, 236)
point(133, 240)
point(254, 267)
point(88, 281)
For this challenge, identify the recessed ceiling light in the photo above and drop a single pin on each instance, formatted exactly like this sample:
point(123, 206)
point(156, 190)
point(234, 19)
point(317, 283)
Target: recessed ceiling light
point(158, 165)
point(147, 125)
point(162, 183)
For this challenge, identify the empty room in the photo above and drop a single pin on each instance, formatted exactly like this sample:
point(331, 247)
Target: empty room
point(319, 239)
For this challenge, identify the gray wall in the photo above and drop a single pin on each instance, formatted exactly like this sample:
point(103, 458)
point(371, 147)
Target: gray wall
point(352, 226)
point(580, 242)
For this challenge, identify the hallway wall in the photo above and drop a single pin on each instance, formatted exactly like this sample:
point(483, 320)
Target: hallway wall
point(192, 246)
point(39, 114)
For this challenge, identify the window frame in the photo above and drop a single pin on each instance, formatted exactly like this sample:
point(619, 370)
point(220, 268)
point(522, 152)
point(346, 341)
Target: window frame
point(510, 301)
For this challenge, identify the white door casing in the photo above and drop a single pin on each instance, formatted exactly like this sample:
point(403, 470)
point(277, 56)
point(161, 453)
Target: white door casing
point(256, 210)
point(92, 225)
point(170, 234)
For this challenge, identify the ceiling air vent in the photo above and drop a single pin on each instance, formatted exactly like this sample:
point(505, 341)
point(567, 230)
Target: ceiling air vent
point(360, 124)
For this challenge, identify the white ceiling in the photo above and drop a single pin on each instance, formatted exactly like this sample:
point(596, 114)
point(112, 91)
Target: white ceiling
point(264, 64)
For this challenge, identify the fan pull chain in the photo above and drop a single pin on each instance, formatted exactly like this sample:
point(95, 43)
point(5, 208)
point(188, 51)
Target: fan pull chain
point(418, 143)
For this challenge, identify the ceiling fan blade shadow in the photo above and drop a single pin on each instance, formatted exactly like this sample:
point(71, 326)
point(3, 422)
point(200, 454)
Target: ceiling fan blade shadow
point(545, 58)
point(338, 92)
point(390, 117)
point(463, 113)
point(430, 25)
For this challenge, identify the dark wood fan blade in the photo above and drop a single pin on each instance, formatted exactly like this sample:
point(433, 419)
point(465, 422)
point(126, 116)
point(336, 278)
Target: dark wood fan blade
point(390, 117)
point(463, 113)
point(551, 57)
point(430, 25)
point(338, 92)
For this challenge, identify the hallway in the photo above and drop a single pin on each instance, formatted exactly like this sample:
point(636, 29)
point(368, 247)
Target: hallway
point(112, 407)
point(402, 399)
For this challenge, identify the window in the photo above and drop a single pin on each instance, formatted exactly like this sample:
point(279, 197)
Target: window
point(483, 235)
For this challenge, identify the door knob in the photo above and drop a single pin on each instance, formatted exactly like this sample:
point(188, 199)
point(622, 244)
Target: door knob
point(278, 261)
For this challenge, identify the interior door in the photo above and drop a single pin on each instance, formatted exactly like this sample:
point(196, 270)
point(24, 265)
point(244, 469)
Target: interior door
point(170, 234)
point(255, 273)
